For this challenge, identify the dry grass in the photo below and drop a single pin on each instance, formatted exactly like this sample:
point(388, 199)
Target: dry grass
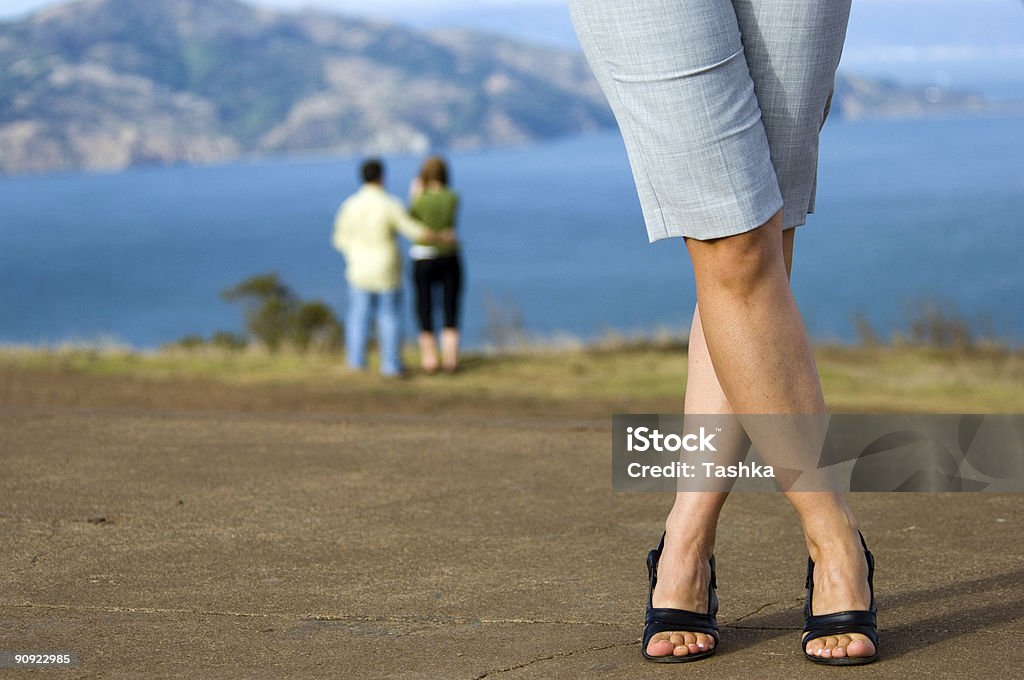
point(854, 379)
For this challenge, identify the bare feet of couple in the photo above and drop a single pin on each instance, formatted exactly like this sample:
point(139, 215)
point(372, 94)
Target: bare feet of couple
point(839, 617)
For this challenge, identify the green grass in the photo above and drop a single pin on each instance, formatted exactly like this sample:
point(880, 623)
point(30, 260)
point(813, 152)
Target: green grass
point(854, 379)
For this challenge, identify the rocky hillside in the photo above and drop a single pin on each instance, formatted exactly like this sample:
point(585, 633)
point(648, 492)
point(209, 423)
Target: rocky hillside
point(856, 98)
point(105, 84)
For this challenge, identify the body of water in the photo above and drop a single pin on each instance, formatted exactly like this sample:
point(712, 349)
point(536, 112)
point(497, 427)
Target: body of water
point(907, 211)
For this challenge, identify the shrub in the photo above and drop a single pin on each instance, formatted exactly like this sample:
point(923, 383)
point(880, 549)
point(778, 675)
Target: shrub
point(314, 326)
point(228, 341)
point(275, 316)
point(188, 342)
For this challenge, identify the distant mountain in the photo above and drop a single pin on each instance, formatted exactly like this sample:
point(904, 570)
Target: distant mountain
point(857, 98)
point(105, 84)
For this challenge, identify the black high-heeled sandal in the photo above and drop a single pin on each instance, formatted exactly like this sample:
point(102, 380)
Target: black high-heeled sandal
point(662, 619)
point(857, 621)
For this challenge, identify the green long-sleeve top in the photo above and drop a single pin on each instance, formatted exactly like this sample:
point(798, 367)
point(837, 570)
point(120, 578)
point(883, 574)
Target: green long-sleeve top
point(437, 209)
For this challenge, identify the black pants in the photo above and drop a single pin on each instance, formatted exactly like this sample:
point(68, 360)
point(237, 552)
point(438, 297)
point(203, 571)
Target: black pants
point(427, 275)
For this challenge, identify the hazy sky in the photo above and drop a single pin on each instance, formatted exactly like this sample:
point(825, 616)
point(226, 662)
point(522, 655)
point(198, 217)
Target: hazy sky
point(384, 7)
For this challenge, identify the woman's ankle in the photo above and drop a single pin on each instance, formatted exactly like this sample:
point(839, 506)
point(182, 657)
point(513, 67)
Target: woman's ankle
point(693, 521)
point(687, 536)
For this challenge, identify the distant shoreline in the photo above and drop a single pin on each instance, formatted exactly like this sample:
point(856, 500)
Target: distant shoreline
point(1007, 110)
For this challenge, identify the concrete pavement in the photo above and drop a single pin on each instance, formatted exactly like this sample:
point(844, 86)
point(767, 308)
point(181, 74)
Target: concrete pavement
point(270, 544)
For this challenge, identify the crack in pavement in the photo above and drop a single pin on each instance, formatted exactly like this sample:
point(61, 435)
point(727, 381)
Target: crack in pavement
point(452, 620)
point(552, 657)
point(135, 610)
point(756, 611)
point(558, 622)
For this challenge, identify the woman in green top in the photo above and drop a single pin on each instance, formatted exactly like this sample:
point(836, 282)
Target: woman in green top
point(436, 266)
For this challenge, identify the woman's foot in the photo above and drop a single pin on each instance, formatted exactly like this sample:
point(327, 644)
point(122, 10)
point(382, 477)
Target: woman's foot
point(684, 574)
point(428, 352)
point(450, 349)
point(840, 584)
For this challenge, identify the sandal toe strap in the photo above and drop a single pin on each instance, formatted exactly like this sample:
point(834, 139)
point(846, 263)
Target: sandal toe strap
point(863, 622)
point(663, 619)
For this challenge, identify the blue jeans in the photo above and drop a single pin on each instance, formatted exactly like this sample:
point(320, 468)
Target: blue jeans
point(362, 305)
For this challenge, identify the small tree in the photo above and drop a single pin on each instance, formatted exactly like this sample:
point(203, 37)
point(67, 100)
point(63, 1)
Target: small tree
point(269, 306)
point(274, 315)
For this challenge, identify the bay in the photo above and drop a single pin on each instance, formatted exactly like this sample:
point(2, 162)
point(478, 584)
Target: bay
point(908, 212)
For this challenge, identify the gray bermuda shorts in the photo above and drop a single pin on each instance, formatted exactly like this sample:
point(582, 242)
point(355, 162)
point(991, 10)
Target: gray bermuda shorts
point(720, 103)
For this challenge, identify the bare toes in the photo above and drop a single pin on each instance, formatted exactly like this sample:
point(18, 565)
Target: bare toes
point(660, 646)
point(858, 648)
point(840, 646)
point(839, 651)
point(684, 643)
point(679, 643)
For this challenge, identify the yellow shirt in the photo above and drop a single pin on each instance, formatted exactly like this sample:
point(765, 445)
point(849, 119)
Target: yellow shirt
point(365, 230)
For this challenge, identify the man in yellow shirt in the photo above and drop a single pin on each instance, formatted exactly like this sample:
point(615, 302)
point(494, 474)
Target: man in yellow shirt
point(365, 231)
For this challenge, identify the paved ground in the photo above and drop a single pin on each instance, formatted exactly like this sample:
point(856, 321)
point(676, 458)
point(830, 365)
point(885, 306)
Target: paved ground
point(278, 543)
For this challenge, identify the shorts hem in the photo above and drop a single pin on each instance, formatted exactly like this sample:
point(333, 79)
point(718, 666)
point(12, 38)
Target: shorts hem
point(752, 222)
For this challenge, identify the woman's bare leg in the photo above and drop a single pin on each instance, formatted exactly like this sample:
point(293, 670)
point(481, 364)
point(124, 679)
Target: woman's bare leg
point(763, 362)
point(684, 570)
